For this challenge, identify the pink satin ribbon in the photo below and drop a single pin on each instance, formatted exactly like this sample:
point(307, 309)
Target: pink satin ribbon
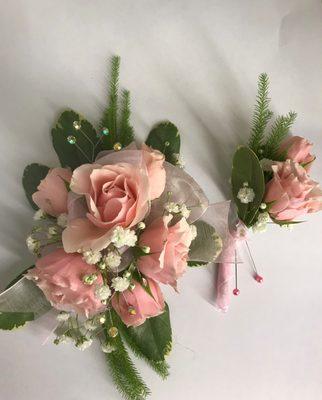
point(225, 270)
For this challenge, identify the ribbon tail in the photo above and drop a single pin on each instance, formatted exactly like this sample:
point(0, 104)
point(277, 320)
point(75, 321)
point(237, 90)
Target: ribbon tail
point(224, 276)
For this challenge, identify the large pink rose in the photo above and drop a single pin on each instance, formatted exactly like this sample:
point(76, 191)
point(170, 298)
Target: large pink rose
point(135, 306)
point(52, 193)
point(118, 190)
point(297, 149)
point(292, 192)
point(169, 248)
point(59, 275)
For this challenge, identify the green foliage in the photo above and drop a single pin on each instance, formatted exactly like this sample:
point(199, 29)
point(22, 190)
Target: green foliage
point(115, 120)
point(247, 168)
point(160, 367)
point(262, 114)
point(165, 138)
point(280, 130)
point(87, 144)
point(203, 248)
point(197, 263)
point(124, 374)
point(31, 178)
point(126, 133)
point(154, 337)
point(11, 320)
point(109, 119)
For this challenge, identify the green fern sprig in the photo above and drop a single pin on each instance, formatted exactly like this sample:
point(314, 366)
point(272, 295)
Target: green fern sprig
point(109, 119)
point(125, 376)
point(126, 133)
point(280, 130)
point(262, 114)
point(160, 367)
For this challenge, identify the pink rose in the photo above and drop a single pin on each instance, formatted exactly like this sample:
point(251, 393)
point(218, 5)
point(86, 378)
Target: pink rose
point(60, 276)
point(297, 149)
point(52, 193)
point(292, 192)
point(118, 189)
point(135, 306)
point(169, 248)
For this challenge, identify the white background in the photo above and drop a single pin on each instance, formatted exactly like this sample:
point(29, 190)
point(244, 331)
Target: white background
point(195, 63)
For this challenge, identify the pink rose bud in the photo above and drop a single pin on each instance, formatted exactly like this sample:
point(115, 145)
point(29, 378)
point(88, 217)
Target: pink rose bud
point(292, 192)
point(60, 276)
point(136, 305)
point(169, 248)
point(298, 150)
point(52, 193)
point(118, 189)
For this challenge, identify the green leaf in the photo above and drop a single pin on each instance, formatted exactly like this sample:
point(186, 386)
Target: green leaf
point(154, 337)
point(87, 145)
point(197, 263)
point(125, 376)
point(165, 138)
point(31, 178)
point(11, 320)
point(17, 278)
point(247, 168)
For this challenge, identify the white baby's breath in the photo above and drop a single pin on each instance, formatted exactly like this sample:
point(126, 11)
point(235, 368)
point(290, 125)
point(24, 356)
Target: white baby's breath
point(123, 237)
point(120, 284)
point(112, 260)
point(108, 348)
point(52, 232)
point(92, 257)
point(171, 207)
point(246, 195)
point(84, 343)
point(39, 214)
point(185, 211)
point(32, 244)
point(90, 325)
point(63, 316)
point(103, 292)
point(62, 220)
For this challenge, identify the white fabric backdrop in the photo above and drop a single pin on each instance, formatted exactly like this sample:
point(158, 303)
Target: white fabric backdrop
point(195, 63)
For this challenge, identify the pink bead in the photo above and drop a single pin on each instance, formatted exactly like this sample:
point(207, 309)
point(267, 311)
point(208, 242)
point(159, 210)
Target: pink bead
point(259, 278)
point(236, 292)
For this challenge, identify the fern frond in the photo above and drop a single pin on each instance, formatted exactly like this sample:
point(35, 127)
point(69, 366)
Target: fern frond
point(160, 367)
point(280, 130)
point(125, 376)
point(262, 114)
point(109, 119)
point(126, 133)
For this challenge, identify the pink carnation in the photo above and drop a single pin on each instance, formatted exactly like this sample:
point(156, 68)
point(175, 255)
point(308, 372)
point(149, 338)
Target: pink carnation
point(60, 276)
point(292, 192)
point(297, 149)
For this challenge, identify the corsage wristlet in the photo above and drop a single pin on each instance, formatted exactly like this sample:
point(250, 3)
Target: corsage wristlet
point(112, 223)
